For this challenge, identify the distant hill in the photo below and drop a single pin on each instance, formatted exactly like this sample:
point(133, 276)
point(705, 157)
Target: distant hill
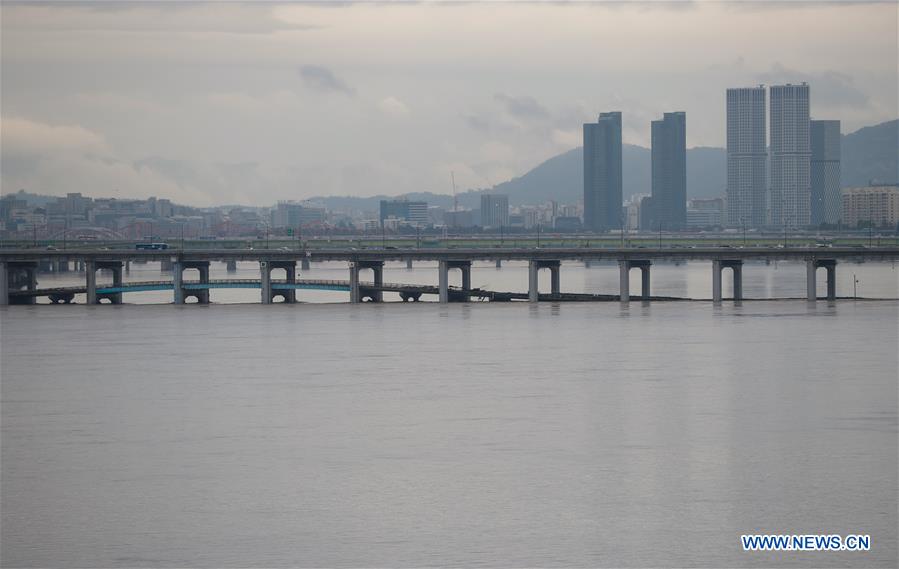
point(561, 178)
point(870, 154)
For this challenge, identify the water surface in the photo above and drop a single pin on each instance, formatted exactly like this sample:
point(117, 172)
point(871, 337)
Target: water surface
point(408, 435)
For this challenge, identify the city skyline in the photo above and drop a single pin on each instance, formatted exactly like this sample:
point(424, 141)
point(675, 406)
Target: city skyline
point(239, 103)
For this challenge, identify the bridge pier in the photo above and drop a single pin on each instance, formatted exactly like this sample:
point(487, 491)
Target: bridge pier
point(736, 266)
point(354, 284)
point(499, 264)
point(624, 278)
point(443, 268)
point(116, 268)
point(182, 293)
point(4, 285)
point(91, 268)
point(18, 275)
point(304, 264)
point(408, 263)
point(534, 280)
point(290, 272)
point(62, 266)
point(231, 266)
point(812, 266)
point(30, 270)
point(90, 274)
point(356, 292)
point(378, 270)
point(443, 282)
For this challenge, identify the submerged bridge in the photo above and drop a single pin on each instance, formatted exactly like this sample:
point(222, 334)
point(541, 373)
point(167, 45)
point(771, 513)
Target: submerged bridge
point(19, 267)
point(368, 290)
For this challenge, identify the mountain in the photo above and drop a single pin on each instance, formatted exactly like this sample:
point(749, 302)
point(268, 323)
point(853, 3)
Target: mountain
point(870, 154)
point(562, 177)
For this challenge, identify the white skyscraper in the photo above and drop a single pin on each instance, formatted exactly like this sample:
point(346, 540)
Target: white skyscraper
point(790, 156)
point(746, 157)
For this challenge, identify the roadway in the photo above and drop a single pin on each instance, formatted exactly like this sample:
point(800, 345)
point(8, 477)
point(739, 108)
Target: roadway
point(349, 254)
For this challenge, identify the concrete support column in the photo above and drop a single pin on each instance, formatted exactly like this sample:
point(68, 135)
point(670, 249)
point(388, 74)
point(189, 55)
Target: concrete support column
point(127, 266)
point(408, 263)
point(31, 283)
point(499, 264)
point(90, 271)
point(4, 285)
point(716, 281)
point(533, 281)
point(831, 281)
point(290, 295)
point(443, 281)
point(355, 296)
point(266, 278)
point(738, 280)
point(644, 282)
point(811, 287)
point(203, 294)
point(624, 281)
point(116, 298)
point(178, 281)
point(466, 277)
point(556, 281)
point(304, 264)
point(31, 275)
point(231, 266)
point(378, 281)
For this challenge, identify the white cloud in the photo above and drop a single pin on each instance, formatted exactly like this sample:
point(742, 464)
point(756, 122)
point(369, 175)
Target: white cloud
point(22, 136)
point(393, 107)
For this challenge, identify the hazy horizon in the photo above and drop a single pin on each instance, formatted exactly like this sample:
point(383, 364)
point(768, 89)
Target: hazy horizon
point(216, 103)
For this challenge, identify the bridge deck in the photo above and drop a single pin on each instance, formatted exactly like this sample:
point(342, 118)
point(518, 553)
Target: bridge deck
point(308, 284)
point(885, 253)
point(311, 284)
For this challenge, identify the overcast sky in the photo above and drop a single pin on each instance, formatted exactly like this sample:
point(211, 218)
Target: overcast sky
point(251, 103)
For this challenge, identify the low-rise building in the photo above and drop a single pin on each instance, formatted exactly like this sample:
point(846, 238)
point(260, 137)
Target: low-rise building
point(874, 205)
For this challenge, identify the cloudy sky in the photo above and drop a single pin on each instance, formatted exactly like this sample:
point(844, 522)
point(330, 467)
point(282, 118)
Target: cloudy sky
point(250, 103)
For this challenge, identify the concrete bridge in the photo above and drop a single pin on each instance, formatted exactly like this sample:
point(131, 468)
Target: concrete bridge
point(18, 269)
